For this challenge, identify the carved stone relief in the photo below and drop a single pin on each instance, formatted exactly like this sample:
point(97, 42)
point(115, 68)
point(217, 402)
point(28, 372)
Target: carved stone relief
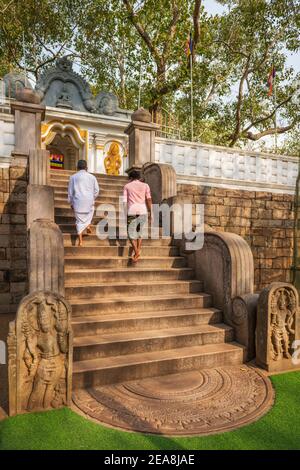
point(277, 326)
point(59, 86)
point(40, 354)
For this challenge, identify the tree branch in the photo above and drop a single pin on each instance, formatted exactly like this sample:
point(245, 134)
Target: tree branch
point(211, 92)
point(142, 32)
point(6, 7)
point(236, 133)
point(171, 29)
point(196, 22)
point(271, 131)
point(269, 116)
point(231, 49)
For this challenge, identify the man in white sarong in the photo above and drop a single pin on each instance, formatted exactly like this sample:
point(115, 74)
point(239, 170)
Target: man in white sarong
point(82, 192)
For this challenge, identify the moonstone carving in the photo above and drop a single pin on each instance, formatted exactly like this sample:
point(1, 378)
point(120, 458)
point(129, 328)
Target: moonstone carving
point(277, 326)
point(40, 354)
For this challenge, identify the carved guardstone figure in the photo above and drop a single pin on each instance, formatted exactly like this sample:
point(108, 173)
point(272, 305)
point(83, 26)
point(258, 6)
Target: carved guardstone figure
point(40, 370)
point(278, 326)
point(282, 319)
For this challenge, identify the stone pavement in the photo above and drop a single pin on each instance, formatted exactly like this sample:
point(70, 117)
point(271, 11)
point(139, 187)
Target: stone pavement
point(188, 403)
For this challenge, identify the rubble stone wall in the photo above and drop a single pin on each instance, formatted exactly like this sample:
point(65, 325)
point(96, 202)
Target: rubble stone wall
point(264, 219)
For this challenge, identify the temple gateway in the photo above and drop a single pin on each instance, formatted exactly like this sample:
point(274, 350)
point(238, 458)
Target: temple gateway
point(178, 343)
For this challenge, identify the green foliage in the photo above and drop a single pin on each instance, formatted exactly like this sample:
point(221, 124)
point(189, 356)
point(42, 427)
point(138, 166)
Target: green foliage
point(119, 40)
point(46, 26)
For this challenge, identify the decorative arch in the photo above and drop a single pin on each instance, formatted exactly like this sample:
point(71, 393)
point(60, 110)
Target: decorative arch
point(79, 137)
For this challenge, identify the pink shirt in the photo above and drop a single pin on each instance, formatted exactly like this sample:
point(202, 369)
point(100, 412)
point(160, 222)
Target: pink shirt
point(135, 194)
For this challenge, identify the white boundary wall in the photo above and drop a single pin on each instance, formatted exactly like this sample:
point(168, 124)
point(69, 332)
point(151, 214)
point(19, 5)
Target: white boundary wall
point(7, 138)
point(225, 167)
point(195, 163)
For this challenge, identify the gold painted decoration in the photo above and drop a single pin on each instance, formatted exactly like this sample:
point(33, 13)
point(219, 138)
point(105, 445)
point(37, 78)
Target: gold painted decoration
point(113, 161)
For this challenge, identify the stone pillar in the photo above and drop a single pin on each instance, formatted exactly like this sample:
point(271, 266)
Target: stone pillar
point(28, 117)
point(278, 326)
point(40, 203)
point(46, 257)
point(141, 134)
point(39, 167)
point(40, 196)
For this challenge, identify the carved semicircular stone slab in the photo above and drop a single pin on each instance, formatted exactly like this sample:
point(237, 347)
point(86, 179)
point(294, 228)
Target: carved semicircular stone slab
point(190, 403)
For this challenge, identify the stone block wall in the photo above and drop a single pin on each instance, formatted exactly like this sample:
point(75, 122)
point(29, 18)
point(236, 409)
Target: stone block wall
point(264, 219)
point(13, 237)
point(13, 253)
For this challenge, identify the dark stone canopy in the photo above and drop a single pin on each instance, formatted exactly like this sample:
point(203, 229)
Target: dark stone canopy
point(60, 87)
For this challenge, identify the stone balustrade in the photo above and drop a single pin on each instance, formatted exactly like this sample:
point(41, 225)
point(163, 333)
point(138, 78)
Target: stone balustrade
point(228, 167)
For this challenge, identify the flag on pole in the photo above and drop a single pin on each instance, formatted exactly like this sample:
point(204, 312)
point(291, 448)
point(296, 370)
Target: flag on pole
point(189, 45)
point(271, 79)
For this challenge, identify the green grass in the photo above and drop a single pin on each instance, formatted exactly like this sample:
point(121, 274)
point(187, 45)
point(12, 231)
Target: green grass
point(64, 429)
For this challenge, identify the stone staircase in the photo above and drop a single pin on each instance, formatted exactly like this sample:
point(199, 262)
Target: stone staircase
point(135, 321)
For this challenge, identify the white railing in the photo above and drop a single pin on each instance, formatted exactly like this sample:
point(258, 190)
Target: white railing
point(211, 165)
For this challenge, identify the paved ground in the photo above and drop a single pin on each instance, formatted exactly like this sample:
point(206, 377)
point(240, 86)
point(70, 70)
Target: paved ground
point(189, 403)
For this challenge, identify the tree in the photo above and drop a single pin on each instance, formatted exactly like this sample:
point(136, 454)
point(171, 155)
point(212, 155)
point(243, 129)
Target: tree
point(47, 28)
point(254, 34)
point(117, 39)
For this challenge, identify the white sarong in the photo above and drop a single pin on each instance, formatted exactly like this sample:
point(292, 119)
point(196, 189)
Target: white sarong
point(82, 192)
point(83, 220)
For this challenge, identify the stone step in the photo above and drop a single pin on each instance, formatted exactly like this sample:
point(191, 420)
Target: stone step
point(116, 369)
point(63, 193)
point(93, 240)
point(138, 303)
point(62, 200)
point(116, 262)
point(119, 344)
point(67, 212)
point(70, 228)
point(67, 173)
point(128, 275)
point(69, 219)
point(140, 321)
point(113, 185)
point(122, 291)
point(124, 251)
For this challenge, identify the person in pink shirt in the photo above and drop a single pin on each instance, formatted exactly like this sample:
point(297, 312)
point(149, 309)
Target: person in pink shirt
point(137, 202)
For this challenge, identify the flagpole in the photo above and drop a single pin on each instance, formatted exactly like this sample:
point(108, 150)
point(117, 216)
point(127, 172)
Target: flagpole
point(140, 87)
point(192, 108)
point(24, 55)
point(275, 115)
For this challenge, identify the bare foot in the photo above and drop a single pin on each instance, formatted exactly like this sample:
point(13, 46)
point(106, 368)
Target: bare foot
point(136, 257)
